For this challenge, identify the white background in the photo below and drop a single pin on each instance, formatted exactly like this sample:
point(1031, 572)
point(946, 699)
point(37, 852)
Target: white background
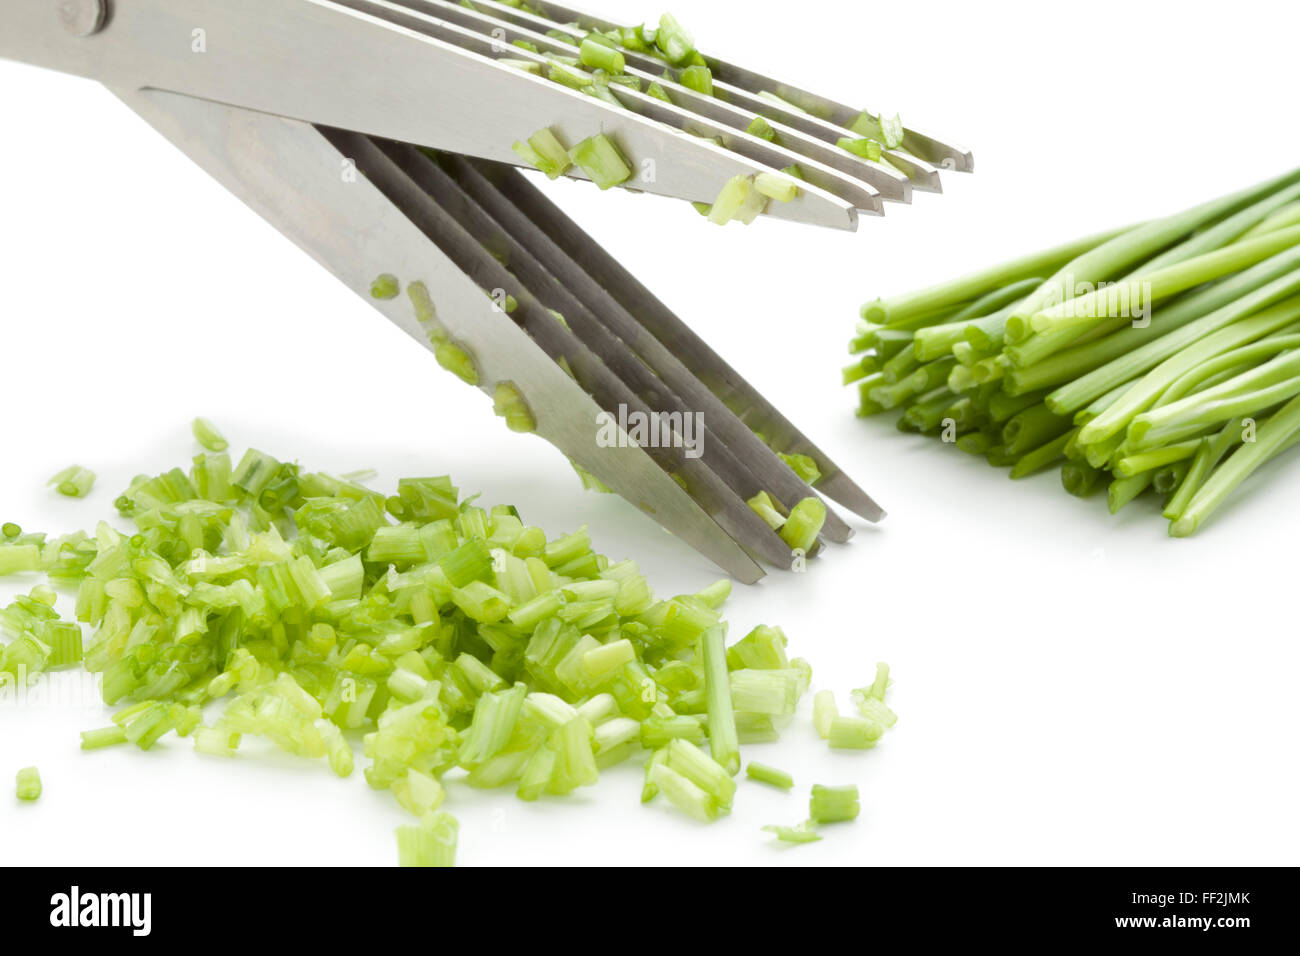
point(1072, 688)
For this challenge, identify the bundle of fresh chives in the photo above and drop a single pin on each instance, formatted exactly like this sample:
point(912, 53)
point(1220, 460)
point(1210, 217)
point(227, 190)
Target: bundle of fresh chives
point(1162, 357)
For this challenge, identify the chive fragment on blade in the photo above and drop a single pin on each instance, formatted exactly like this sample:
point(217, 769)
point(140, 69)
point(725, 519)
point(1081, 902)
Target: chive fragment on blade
point(775, 186)
point(697, 78)
point(386, 286)
point(864, 148)
point(766, 508)
point(601, 55)
point(544, 151)
point(509, 403)
point(761, 128)
point(801, 529)
point(600, 159)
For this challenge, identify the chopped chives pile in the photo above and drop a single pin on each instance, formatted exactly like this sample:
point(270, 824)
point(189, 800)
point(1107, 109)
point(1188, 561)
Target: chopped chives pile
point(1161, 359)
point(252, 598)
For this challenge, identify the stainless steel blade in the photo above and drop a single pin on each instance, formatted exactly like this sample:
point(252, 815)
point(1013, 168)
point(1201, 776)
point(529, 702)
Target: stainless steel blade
point(325, 62)
point(813, 152)
point(603, 365)
point(289, 173)
point(738, 455)
point(705, 364)
point(920, 144)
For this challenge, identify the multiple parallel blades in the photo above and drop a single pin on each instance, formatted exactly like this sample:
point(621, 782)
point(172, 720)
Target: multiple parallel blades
point(448, 76)
point(452, 223)
point(808, 127)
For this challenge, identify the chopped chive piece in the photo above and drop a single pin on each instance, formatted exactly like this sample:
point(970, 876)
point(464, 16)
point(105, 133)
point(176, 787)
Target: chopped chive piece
point(824, 712)
point(762, 129)
point(770, 775)
point(552, 152)
point(773, 186)
point(891, 131)
point(729, 201)
point(508, 403)
point(543, 151)
point(73, 482)
point(801, 529)
point(683, 793)
point(569, 76)
point(457, 361)
point(702, 770)
point(803, 466)
point(208, 435)
point(102, 737)
point(739, 200)
point(17, 558)
point(833, 804)
point(600, 159)
point(386, 286)
point(803, 833)
point(853, 733)
point(527, 155)
point(255, 472)
point(766, 508)
point(866, 148)
point(772, 692)
point(29, 783)
point(762, 648)
point(676, 44)
point(600, 56)
point(723, 744)
point(658, 732)
point(697, 78)
point(431, 842)
point(881, 683)
point(525, 66)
